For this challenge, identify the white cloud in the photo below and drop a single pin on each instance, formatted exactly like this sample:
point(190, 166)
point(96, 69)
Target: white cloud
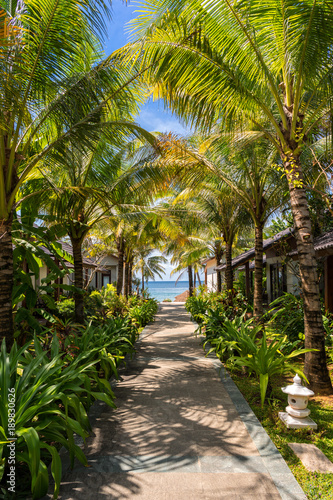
point(154, 118)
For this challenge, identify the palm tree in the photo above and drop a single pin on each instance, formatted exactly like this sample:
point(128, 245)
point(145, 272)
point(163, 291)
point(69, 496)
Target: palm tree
point(92, 187)
point(213, 200)
point(220, 212)
point(149, 265)
point(50, 94)
point(184, 242)
point(259, 189)
point(239, 62)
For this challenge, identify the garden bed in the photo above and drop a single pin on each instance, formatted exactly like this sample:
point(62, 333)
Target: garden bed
point(315, 485)
point(55, 378)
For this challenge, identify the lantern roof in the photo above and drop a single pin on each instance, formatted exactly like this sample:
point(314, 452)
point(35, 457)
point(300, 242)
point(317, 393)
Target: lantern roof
point(297, 389)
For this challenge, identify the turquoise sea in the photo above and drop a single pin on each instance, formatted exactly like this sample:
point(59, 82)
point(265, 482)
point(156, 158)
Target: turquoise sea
point(161, 290)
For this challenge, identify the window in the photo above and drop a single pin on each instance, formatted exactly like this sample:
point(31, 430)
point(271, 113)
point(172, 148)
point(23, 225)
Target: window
point(278, 280)
point(106, 279)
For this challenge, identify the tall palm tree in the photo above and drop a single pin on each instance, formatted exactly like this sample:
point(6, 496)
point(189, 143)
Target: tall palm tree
point(149, 265)
point(259, 189)
point(265, 63)
point(184, 243)
point(213, 200)
point(49, 94)
point(88, 187)
point(219, 210)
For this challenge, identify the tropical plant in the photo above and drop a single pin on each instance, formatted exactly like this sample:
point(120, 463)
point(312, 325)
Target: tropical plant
point(143, 313)
point(197, 306)
point(269, 359)
point(86, 186)
point(108, 345)
point(286, 316)
point(48, 409)
point(216, 205)
point(244, 62)
point(249, 174)
point(238, 339)
point(33, 298)
point(54, 93)
point(105, 303)
point(148, 264)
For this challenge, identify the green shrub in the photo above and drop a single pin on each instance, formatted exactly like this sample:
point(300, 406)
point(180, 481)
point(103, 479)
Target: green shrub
point(108, 345)
point(197, 306)
point(286, 316)
point(143, 313)
point(210, 309)
point(268, 359)
point(66, 308)
point(105, 302)
point(237, 339)
point(48, 409)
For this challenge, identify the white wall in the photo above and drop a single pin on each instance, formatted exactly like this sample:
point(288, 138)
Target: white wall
point(291, 278)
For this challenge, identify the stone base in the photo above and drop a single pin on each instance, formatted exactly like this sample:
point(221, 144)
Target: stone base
point(297, 423)
point(298, 413)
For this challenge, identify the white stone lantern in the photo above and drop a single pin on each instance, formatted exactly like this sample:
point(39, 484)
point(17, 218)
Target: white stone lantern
point(297, 413)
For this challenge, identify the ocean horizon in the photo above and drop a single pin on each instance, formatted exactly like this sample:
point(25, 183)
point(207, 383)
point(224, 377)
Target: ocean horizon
point(161, 290)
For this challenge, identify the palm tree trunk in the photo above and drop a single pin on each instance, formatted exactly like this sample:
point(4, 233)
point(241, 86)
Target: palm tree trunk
point(130, 277)
point(258, 273)
point(143, 278)
point(229, 277)
point(218, 255)
point(199, 280)
point(126, 277)
point(6, 282)
point(190, 280)
point(315, 367)
point(195, 280)
point(78, 278)
point(120, 274)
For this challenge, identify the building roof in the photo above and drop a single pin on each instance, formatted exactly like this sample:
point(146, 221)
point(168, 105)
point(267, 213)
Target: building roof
point(249, 254)
point(212, 257)
point(323, 242)
point(251, 266)
point(68, 249)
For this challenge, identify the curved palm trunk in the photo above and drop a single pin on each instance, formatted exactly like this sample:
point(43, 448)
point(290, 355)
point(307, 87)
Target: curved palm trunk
point(78, 278)
point(120, 274)
point(6, 282)
point(229, 276)
point(143, 278)
point(315, 367)
point(190, 280)
point(258, 273)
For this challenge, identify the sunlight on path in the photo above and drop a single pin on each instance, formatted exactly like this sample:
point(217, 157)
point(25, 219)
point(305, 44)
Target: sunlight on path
point(177, 433)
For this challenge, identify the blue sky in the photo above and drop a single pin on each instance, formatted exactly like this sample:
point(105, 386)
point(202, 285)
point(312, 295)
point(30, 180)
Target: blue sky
point(153, 116)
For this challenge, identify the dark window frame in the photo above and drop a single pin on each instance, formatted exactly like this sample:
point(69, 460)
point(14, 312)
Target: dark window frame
point(278, 275)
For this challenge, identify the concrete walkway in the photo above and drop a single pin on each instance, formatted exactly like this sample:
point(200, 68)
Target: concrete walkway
point(182, 430)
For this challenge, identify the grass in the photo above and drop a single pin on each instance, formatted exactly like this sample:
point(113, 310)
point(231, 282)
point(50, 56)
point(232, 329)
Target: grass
point(315, 485)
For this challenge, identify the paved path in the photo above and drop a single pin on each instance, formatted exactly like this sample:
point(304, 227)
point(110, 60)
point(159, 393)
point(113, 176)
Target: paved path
point(182, 431)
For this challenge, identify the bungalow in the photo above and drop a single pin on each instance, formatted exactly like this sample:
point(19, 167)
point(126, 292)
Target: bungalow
point(106, 272)
point(324, 253)
point(96, 274)
point(280, 276)
point(210, 274)
point(282, 265)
